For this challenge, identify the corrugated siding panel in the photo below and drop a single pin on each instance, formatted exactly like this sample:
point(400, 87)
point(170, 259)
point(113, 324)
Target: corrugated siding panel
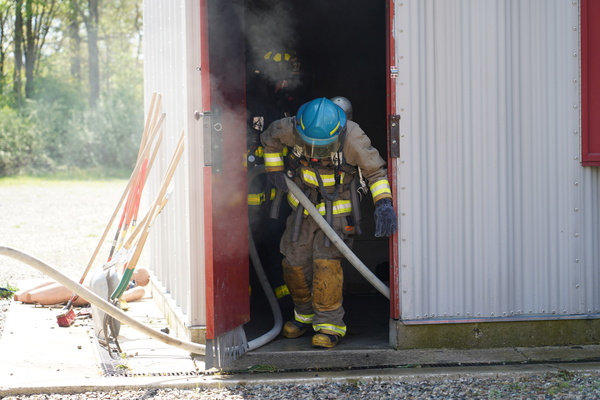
point(499, 218)
point(171, 52)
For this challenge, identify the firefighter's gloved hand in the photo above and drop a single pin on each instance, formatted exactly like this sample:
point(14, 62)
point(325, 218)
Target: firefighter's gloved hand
point(277, 179)
point(386, 222)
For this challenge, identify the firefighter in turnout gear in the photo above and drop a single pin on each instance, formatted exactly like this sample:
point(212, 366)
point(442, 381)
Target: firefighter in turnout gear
point(330, 157)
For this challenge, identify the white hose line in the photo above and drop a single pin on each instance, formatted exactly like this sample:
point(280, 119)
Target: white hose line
point(99, 302)
point(264, 282)
point(328, 230)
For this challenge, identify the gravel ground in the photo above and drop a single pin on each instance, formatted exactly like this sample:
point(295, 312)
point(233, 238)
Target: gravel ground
point(61, 222)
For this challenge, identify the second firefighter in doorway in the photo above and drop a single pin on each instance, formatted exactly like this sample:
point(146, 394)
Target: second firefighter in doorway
point(274, 86)
point(330, 154)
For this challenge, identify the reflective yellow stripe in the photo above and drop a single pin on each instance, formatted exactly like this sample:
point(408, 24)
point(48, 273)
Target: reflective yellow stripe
point(341, 330)
point(335, 129)
point(256, 199)
point(277, 57)
point(273, 160)
point(310, 177)
point(380, 187)
point(281, 291)
point(259, 152)
point(339, 206)
point(305, 319)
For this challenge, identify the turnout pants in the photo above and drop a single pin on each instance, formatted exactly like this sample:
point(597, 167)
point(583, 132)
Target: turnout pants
point(313, 274)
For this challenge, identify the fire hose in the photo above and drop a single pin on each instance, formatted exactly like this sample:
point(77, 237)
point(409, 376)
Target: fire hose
point(335, 239)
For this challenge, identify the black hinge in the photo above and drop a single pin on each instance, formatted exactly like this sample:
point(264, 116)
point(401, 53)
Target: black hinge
point(394, 136)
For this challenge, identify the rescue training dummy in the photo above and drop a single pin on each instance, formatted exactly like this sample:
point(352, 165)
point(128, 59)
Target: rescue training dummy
point(50, 292)
point(330, 157)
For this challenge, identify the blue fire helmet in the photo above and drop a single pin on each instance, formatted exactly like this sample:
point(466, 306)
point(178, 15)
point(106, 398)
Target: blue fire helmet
point(319, 124)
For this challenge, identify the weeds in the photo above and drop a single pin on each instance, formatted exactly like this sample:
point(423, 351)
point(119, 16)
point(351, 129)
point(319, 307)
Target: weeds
point(8, 291)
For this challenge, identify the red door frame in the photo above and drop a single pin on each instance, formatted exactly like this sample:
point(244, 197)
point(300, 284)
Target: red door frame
point(392, 167)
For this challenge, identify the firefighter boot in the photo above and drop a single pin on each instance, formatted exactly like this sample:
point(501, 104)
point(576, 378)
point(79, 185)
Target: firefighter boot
point(294, 329)
point(325, 340)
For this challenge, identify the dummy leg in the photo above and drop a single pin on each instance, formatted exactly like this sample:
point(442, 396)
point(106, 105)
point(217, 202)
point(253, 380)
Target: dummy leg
point(20, 295)
point(50, 295)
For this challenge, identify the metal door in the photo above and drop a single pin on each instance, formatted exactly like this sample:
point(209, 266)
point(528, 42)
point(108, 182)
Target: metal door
point(224, 174)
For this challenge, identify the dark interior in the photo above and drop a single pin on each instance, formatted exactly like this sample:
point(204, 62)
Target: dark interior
point(341, 46)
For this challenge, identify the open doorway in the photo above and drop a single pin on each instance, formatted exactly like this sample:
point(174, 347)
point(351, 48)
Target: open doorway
point(341, 51)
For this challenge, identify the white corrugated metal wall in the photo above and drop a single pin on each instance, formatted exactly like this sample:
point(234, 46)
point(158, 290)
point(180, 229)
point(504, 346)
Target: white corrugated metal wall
point(498, 217)
point(171, 62)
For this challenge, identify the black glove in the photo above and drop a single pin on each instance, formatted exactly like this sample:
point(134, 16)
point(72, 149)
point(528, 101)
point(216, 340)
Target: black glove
point(277, 179)
point(386, 222)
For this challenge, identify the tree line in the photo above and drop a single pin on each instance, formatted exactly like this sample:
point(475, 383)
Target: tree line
point(71, 85)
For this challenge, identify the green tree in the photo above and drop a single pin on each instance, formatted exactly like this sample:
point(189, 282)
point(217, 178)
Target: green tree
point(77, 71)
point(39, 15)
point(91, 16)
point(5, 39)
point(18, 52)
